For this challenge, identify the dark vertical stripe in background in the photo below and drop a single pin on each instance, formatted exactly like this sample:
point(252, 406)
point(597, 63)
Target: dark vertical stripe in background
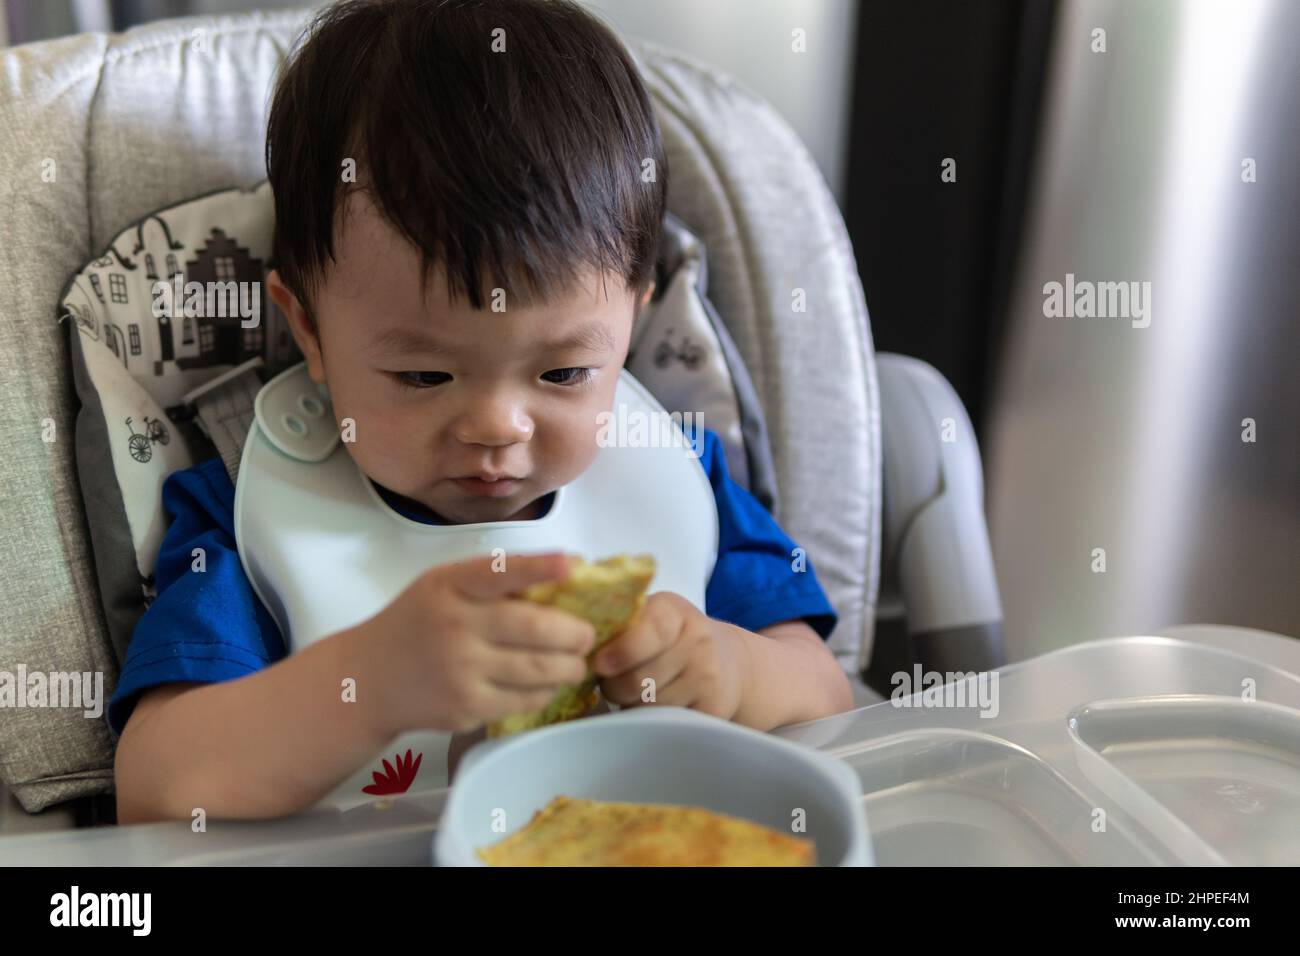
point(936, 79)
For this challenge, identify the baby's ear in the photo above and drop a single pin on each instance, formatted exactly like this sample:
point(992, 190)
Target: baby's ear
point(648, 293)
point(301, 325)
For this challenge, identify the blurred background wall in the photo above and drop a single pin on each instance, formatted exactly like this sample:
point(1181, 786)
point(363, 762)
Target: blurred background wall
point(1109, 140)
point(1170, 158)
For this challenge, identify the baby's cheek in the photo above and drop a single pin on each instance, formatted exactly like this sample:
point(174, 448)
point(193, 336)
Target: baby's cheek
point(394, 446)
point(578, 450)
point(373, 438)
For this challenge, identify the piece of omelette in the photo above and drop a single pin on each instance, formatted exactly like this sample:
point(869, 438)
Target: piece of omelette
point(570, 832)
point(608, 594)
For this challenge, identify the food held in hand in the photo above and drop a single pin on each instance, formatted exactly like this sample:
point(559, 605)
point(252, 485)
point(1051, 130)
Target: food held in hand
point(607, 594)
point(569, 832)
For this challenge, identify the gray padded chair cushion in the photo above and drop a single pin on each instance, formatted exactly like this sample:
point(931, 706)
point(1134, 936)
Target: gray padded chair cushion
point(138, 121)
point(747, 187)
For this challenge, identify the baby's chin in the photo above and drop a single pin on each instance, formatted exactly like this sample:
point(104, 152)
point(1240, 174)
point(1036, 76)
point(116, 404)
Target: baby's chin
point(468, 509)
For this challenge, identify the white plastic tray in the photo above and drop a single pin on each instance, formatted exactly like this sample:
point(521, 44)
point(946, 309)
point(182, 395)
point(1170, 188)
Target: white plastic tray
point(953, 797)
point(1142, 750)
point(1227, 768)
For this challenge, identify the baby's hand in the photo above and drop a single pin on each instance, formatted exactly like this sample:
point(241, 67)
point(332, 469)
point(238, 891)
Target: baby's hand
point(456, 650)
point(692, 660)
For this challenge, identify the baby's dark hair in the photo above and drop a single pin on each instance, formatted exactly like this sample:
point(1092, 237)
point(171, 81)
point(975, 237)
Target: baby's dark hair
point(513, 169)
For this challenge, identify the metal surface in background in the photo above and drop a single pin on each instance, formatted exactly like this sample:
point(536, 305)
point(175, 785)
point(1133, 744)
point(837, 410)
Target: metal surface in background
point(1108, 435)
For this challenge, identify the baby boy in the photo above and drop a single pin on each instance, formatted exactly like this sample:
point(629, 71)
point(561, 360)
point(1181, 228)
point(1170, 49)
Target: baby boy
point(465, 234)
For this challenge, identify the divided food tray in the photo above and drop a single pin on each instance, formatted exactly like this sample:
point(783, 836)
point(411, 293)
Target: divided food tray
point(1131, 751)
point(1128, 751)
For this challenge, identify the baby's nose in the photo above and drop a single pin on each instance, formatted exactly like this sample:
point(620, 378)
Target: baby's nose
point(496, 423)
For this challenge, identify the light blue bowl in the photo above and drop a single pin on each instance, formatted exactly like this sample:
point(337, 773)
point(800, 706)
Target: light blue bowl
point(655, 754)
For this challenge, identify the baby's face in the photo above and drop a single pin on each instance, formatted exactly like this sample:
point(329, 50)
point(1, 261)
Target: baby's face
point(443, 396)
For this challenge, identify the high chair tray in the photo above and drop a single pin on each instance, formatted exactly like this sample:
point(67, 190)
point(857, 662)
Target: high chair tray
point(1130, 751)
point(1127, 751)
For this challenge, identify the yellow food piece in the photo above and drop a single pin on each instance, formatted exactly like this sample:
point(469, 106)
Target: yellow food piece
point(607, 594)
point(593, 833)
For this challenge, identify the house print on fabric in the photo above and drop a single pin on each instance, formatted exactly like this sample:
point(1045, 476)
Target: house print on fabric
point(217, 340)
point(154, 347)
point(222, 340)
point(129, 344)
point(151, 273)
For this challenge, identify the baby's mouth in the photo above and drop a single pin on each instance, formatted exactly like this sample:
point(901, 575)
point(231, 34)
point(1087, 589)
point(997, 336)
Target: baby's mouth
point(499, 487)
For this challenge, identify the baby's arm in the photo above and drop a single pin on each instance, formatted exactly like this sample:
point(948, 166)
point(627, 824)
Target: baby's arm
point(268, 744)
point(451, 652)
point(793, 677)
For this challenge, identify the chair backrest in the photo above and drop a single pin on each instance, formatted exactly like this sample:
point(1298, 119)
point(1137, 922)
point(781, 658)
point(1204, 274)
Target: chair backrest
point(98, 130)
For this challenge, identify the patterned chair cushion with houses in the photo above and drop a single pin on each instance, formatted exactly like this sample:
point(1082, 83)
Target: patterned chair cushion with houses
point(138, 354)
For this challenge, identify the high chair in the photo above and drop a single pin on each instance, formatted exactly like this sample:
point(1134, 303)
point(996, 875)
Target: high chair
point(874, 467)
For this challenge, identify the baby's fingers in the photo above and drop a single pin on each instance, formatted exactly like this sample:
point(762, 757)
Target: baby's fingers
point(642, 682)
point(519, 669)
point(521, 624)
point(481, 578)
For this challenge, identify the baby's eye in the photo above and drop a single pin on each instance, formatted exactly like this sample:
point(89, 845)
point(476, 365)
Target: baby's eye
point(421, 379)
point(569, 376)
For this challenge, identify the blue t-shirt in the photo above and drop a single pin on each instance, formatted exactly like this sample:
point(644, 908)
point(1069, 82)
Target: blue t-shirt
point(212, 627)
